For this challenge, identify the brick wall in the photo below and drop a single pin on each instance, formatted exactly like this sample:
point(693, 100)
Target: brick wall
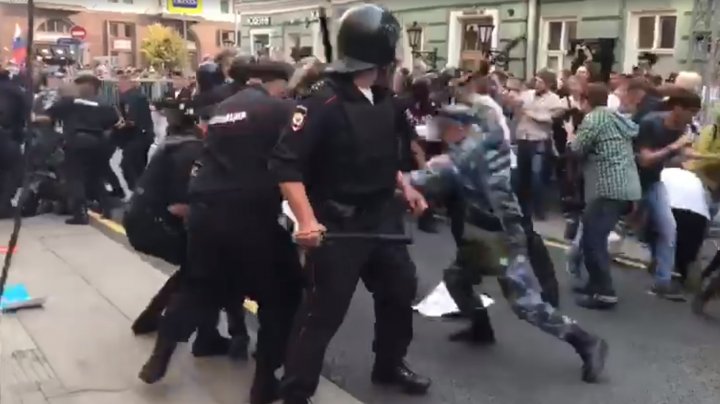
point(95, 25)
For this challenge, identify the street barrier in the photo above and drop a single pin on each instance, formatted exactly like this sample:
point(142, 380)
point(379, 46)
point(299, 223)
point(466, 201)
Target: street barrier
point(152, 88)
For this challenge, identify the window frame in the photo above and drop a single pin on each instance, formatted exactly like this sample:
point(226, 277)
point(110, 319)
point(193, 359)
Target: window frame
point(561, 54)
point(657, 34)
point(222, 32)
point(229, 6)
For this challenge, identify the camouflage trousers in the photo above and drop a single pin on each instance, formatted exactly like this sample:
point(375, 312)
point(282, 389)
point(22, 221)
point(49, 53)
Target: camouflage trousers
point(478, 258)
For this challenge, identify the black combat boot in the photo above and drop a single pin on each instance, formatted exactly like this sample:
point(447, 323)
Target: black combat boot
point(209, 342)
point(266, 387)
point(480, 331)
point(592, 350)
point(155, 368)
point(400, 375)
point(79, 216)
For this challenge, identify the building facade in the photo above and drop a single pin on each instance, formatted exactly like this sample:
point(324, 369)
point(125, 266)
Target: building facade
point(549, 29)
point(659, 27)
point(542, 31)
point(115, 28)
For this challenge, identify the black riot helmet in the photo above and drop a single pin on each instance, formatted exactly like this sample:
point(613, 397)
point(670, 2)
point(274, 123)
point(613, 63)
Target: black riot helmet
point(367, 38)
point(209, 76)
point(179, 113)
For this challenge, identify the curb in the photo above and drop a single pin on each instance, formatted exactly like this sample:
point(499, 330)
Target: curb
point(621, 259)
point(117, 228)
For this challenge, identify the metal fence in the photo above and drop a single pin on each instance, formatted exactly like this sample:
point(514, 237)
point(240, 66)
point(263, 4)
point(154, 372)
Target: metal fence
point(153, 89)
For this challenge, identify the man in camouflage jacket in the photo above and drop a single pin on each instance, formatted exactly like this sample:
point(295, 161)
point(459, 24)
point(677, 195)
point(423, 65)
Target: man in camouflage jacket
point(478, 165)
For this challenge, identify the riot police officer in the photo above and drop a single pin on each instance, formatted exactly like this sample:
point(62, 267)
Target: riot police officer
point(13, 112)
point(236, 246)
point(338, 168)
point(87, 122)
point(154, 221)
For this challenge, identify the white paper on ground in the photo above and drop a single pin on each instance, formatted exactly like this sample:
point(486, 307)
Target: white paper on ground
point(439, 303)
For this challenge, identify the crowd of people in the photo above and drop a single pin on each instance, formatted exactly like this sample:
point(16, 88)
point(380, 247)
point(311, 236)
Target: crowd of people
point(350, 146)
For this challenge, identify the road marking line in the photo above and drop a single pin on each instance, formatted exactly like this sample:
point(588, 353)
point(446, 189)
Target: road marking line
point(115, 227)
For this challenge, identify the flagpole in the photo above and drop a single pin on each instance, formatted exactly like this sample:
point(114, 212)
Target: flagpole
point(29, 93)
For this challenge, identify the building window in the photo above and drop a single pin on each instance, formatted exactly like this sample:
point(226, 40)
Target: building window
point(226, 38)
point(112, 1)
point(120, 30)
point(260, 44)
point(225, 6)
point(656, 32)
point(128, 1)
point(55, 26)
point(558, 38)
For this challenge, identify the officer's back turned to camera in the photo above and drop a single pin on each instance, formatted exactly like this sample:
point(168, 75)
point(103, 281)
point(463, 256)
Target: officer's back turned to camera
point(236, 246)
point(87, 122)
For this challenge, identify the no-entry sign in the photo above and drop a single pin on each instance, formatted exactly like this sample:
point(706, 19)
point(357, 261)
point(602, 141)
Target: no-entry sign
point(78, 33)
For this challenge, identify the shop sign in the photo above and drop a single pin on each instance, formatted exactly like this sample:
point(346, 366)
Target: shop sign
point(187, 7)
point(258, 20)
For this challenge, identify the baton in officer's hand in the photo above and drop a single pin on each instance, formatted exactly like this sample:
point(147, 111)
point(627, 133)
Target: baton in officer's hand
point(388, 238)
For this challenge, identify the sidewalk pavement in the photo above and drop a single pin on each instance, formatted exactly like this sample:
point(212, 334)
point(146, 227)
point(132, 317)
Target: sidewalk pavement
point(79, 349)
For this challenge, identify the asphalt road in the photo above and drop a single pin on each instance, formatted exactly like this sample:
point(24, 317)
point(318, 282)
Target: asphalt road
point(660, 352)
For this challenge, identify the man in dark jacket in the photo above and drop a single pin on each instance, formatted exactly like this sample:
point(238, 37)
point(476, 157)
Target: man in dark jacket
point(135, 136)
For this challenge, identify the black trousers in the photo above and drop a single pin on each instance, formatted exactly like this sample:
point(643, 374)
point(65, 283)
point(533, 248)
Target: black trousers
point(236, 248)
point(10, 170)
point(333, 271)
point(691, 228)
point(85, 161)
point(134, 159)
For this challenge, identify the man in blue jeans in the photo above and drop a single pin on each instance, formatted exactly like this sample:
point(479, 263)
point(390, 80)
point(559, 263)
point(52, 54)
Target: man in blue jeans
point(663, 137)
point(604, 141)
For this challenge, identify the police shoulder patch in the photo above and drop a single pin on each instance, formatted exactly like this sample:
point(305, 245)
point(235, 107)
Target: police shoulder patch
point(298, 118)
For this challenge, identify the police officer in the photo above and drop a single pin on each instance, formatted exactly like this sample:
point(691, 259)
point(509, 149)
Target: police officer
point(338, 167)
point(13, 112)
point(478, 164)
point(136, 135)
point(86, 125)
point(236, 244)
point(154, 221)
point(216, 91)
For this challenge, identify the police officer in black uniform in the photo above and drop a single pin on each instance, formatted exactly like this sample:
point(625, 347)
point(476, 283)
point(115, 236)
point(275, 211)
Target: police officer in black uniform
point(13, 112)
point(136, 135)
point(236, 245)
point(87, 122)
point(338, 166)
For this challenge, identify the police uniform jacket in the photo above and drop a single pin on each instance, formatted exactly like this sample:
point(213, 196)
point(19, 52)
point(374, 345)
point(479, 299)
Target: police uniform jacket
point(135, 109)
point(165, 180)
point(13, 110)
point(83, 116)
point(241, 134)
point(206, 102)
point(342, 146)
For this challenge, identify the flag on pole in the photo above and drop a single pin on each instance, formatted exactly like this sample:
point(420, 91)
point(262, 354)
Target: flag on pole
point(19, 48)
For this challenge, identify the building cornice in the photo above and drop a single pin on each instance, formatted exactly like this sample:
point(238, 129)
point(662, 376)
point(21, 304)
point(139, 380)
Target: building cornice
point(284, 6)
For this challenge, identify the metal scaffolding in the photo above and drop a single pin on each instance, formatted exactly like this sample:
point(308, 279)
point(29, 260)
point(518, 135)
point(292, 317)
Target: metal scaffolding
point(704, 48)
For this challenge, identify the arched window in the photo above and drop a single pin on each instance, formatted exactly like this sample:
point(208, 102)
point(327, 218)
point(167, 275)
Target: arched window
point(56, 26)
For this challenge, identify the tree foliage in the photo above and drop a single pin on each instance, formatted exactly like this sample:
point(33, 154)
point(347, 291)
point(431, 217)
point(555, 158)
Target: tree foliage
point(164, 48)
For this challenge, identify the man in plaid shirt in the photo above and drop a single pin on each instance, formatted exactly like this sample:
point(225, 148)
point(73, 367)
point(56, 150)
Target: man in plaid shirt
point(605, 141)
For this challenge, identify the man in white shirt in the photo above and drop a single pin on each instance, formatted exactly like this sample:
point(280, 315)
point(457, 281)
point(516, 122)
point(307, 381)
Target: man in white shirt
point(534, 130)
